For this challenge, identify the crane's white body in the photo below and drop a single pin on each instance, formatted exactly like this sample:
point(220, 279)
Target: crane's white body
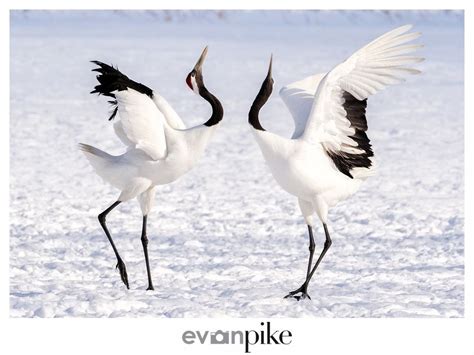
point(159, 147)
point(301, 165)
point(305, 171)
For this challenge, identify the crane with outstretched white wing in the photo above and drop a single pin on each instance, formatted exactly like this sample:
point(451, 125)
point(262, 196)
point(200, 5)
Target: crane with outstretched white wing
point(329, 154)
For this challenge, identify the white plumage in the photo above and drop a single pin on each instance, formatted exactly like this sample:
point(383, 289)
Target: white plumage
point(141, 124)
point(156, 154)
point(159, 147)
point(329, 153)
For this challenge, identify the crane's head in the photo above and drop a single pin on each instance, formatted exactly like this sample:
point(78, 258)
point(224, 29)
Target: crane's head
point(261, 98)
point(267, 85)
point(194, 78)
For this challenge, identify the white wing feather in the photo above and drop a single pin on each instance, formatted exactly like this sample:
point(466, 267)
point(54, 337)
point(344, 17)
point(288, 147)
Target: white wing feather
point(141, 123)
point(121, 134)
point(170, 114)
point(298, 98)
point(372, 68)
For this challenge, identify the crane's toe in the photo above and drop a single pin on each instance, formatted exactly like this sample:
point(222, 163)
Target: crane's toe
point(302, 296)
point(299, 294)
point(123, 272)
point(290, 295)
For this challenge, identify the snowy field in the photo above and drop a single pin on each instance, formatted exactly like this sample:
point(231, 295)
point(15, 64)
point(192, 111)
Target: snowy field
point(225, 241)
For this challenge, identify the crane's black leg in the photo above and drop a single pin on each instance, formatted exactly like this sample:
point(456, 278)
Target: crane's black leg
point(311, 250)
point(304, 288)
point(120, 263)
point(145, 250)
point(310, 261)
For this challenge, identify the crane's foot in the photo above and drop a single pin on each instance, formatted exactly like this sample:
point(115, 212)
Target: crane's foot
point(123, 272)
point(150, 288)
point(299, 294)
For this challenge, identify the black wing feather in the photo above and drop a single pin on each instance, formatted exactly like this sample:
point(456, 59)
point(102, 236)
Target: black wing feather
point(111, 79)
point(355, 113)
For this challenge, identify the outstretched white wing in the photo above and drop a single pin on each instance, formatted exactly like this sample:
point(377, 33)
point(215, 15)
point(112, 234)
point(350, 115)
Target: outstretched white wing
point(141, 123)
point(337, 118)
point(299, 98)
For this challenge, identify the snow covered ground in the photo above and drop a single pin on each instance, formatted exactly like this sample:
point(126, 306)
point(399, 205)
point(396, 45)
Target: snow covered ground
point(225, 241)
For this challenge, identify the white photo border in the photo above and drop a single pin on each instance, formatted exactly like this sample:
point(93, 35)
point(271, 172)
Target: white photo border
point(163, 336)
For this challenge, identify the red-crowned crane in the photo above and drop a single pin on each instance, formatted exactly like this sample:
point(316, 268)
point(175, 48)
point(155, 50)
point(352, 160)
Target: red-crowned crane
point(160, 148)
point(329, 154)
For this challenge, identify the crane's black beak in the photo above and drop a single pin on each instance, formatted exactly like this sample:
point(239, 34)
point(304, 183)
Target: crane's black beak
point(199, 63)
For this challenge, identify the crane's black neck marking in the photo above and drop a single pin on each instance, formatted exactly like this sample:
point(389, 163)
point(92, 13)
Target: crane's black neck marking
point(217, 109)
point(260, 100)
